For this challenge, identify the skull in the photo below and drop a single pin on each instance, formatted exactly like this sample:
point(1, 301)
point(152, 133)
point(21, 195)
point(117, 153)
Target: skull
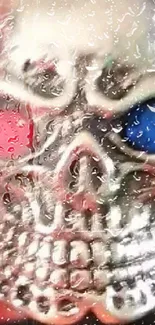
point(77, 225)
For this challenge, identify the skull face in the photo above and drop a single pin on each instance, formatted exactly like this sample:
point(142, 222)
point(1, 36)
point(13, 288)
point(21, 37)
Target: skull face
point(77, 225)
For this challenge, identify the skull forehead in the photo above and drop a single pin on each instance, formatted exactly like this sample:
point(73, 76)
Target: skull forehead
point(109, 26)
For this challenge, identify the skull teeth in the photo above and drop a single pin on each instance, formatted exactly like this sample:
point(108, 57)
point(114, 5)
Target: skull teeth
point(123, 300)
point(131, 301)
point(76, 254)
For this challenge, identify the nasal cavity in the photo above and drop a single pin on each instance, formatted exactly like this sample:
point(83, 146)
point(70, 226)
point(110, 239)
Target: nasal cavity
point(85, 172)
point(80, 174)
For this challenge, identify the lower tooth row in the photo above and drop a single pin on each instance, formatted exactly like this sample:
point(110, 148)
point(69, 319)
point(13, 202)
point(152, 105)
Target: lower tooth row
point(125, 304)
point(130, 303)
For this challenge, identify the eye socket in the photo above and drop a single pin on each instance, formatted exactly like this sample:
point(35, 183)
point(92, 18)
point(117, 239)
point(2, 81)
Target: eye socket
point(112, 86)
point(139, 127)
point(51, 83)
point(12, 206)
point(116, 81)
point(44, 79)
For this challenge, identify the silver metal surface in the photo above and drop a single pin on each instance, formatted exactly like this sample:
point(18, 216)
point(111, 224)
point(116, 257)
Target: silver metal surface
point(77, 227)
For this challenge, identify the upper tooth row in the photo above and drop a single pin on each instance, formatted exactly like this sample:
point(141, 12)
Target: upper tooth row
point(79, 253)
point(130, 251)
point(76, 223)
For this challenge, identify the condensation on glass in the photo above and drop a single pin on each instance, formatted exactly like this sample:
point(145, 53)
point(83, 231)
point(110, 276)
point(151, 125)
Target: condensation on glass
point(77, 157)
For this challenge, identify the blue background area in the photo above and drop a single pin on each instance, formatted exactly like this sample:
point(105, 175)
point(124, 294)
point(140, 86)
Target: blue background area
point(139, 129)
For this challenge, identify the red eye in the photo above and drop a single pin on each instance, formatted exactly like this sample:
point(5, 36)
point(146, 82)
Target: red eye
point(16, 132)
point(7, 313)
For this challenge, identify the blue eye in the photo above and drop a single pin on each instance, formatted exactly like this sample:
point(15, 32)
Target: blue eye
point(139, 130)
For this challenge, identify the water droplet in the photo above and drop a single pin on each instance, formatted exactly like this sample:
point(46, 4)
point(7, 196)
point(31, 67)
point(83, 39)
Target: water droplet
point(92, 13)
point(11, 149)
point(14, 140)
point(104, 129)
point(152, 108)
point(117, 129)
point(91, 43)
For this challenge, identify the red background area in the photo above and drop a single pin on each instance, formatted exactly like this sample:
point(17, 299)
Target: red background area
point(16, 137)
point(16, 132)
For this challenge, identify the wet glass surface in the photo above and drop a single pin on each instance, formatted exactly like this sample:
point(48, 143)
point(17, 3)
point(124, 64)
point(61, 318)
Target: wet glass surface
point(77, 161)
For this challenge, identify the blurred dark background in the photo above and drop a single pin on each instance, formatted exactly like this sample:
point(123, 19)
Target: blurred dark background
point(91, 320)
